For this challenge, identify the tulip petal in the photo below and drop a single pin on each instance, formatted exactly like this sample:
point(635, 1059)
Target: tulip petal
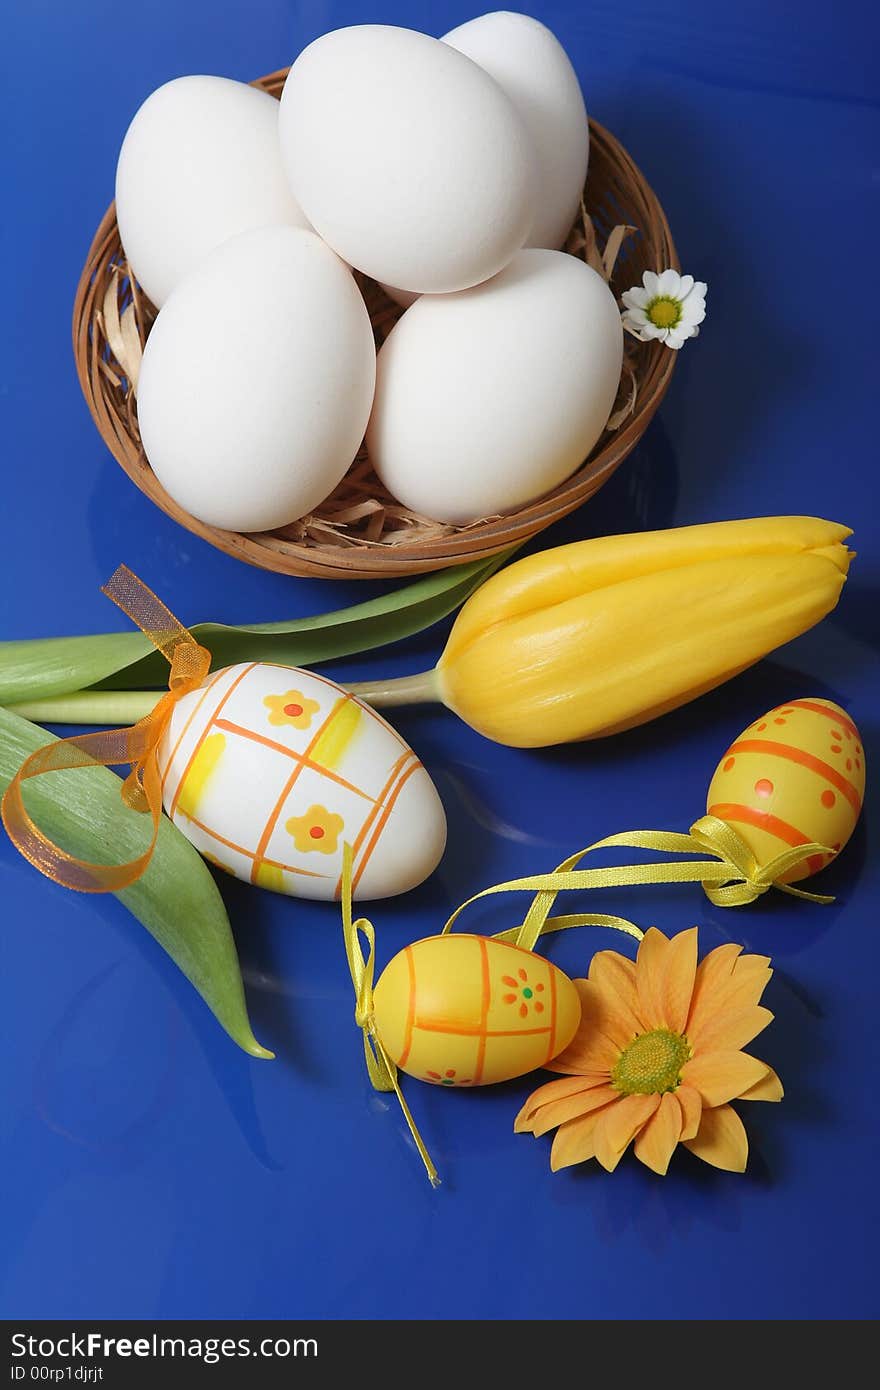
point(721, 1076)
point(691, 1110)
point(618, 1125)
point(656, 1143)
point(574, 1141)
point(721, 1140)
point(552, 1091)
point(730, 1029)
point(549, 1116)
point(768, 1088)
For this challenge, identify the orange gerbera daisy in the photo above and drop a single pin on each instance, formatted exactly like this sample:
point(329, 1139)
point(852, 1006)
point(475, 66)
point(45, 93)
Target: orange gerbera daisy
point(657, 1059)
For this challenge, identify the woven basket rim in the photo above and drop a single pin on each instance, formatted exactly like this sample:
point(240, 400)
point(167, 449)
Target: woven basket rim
point(269, 550)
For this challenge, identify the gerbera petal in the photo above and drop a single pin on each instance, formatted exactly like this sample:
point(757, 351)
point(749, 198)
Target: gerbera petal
point(573, 1142)
point(691, 1110)
point(678, 982)
point(552, 1091)
point(615, 977)
point(656, 1143)
point(618, 1126)
point(549, 1116)
point(649, 975)
point(730, 1029)
point(721, 1076)
point(665, 978)
point(650, 280)
point(590, 1050)
point(721, 1140)
point(669, 283)
point(712, 971)
point(769, 1088)
point(741, 990)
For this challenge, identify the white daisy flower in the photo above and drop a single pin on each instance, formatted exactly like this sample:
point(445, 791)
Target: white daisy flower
point(669, 307)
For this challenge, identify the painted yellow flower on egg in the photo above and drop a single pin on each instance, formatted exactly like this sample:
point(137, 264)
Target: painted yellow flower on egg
point(656, 1058)
point(291, 708)
point(319, 829)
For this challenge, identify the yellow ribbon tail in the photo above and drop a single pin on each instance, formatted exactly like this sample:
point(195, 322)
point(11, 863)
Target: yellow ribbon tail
point(730, 878)
point(380, 1068)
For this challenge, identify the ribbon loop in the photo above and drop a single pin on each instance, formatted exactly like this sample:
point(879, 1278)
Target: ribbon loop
point(137, 746)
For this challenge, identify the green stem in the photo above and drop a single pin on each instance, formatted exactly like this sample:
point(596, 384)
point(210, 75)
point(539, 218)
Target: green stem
point(109, 707)
point(103, 707)
point(399, 690)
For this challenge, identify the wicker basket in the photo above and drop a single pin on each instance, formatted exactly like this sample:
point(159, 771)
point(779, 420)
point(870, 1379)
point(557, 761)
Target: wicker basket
point(360, 532)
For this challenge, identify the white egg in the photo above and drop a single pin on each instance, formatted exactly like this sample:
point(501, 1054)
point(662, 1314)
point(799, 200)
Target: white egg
point(406, 157)
point(532, 68)
point(269, 771)
point(490, 398)
point(257, 381)
point(199, 163)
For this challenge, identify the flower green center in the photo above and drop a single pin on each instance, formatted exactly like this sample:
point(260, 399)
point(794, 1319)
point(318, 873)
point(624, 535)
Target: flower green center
point(664, 312)
point(651, 1063)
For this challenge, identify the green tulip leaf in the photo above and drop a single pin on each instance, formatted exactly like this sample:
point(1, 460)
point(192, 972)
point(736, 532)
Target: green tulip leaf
point(176, 899)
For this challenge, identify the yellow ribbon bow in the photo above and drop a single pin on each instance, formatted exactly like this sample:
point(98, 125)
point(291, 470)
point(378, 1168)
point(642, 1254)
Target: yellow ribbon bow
point(137, 746)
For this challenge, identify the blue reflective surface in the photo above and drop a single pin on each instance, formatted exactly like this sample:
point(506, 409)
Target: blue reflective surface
point(151, 1170)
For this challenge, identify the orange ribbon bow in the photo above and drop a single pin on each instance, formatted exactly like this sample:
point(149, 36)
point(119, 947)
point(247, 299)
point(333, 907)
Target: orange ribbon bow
point(137, 746)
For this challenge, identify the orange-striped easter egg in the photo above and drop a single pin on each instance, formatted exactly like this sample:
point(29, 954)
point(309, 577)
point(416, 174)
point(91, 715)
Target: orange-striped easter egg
point(270, 771)
point(794, 776)
point(462, 1010)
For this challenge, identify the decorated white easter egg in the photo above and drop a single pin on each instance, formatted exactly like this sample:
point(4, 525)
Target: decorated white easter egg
point(200, 162)
point(269, 771)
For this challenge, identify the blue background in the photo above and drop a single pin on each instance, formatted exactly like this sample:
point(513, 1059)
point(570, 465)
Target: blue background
point(149, 1168)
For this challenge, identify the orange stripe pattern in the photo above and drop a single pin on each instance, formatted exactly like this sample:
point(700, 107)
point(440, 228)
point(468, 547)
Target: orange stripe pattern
point(804, 759)
point(365, 828)
point(763, 820)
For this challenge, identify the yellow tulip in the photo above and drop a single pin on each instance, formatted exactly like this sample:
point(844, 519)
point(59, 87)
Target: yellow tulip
point(599, 636)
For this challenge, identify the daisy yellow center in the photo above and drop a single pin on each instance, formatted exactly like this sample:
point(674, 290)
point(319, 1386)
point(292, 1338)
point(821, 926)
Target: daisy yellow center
point(651, 1063)
point(664, 312)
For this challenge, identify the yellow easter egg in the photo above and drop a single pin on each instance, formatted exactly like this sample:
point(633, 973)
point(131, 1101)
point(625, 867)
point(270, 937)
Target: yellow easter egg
point(795, 776)
point(463, 1010)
